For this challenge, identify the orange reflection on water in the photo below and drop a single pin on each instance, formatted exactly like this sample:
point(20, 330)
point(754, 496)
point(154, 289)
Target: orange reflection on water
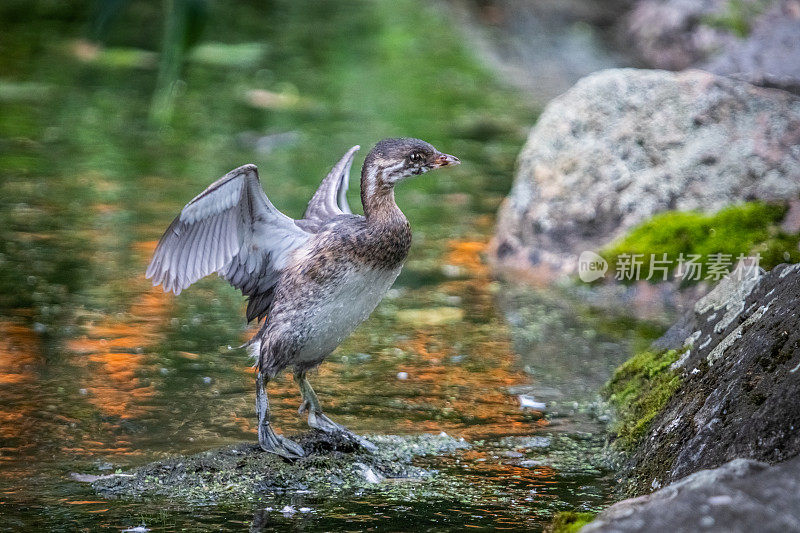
point(19, 358)
point(476, 392)
point(467, 254)
point(115, 346)
point(18, 351)
point(469, 401)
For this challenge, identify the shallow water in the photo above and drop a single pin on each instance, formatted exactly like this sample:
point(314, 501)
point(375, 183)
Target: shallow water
point(99, 372)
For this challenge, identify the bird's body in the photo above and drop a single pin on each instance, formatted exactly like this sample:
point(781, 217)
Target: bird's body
point(313, 280)
point(331, 285)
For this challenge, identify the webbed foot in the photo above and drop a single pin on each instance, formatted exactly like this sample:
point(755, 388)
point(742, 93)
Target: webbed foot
point(317, 420)
point(320, 421)
point(279, 445)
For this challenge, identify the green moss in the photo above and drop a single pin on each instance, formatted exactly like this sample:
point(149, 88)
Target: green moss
point(748, 228)
point(570, 521)
point(738, 16)
point(639, 390)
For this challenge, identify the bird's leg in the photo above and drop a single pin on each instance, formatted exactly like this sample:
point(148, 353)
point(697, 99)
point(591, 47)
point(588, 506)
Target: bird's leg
point(318, 420)
point(267, 438)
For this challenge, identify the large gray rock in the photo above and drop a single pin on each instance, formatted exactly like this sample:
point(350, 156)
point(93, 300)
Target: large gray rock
point(623, 145)
point(740, 382)
point(740, 496)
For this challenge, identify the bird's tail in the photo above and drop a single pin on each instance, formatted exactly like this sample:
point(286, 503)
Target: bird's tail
point(254, 350)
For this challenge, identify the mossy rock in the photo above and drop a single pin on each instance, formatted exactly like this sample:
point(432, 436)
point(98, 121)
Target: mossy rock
point(639, 389)
point(732, 395)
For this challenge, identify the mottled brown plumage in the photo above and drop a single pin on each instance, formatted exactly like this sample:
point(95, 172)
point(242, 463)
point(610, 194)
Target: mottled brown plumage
point(313, 280)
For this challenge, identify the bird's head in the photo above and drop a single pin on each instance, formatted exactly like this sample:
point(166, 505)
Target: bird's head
point(393, 160)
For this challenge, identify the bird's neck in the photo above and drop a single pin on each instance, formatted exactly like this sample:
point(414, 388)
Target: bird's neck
point(377, 197)
point(388, 231)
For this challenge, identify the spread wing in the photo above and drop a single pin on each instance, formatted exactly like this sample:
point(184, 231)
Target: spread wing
point(232, 229)
point(330, 200)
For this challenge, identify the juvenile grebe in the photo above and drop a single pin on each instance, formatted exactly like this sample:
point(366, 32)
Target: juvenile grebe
point(314, 279)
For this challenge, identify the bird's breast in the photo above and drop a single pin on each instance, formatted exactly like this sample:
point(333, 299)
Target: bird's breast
point(343, 305)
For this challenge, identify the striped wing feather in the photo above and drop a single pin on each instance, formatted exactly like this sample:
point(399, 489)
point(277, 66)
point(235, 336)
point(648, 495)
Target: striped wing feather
point(232, 229)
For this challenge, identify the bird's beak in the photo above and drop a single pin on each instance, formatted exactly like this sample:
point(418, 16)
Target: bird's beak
point(444, 160)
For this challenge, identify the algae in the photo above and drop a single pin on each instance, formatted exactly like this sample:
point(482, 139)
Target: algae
point(570, 521)
point(748, 228)
point(520, 474)
point(639, 390)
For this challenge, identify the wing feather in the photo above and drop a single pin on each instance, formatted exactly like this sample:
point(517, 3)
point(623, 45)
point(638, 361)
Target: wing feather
point(205, 255)
point(330, 200)
point(232, 229)
point(215, 263)
point(190, 251)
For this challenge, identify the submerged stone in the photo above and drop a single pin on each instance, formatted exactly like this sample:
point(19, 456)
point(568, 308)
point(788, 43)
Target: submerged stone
point(244, 471)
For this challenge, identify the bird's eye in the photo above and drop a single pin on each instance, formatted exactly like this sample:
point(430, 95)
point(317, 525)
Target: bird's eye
point(416, 157)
